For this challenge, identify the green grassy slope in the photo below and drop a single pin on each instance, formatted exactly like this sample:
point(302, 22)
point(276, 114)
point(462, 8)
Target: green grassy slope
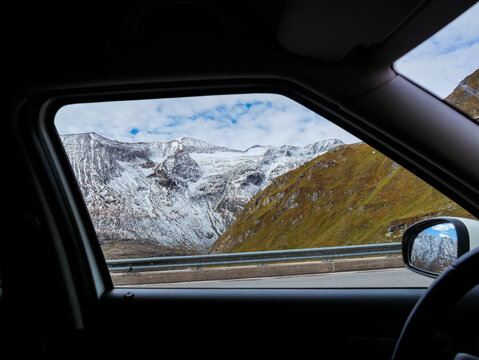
point(350, 195)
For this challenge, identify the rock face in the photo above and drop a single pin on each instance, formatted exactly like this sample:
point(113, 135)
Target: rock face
point(466, 95)
point(432, 253)
point(179, 195)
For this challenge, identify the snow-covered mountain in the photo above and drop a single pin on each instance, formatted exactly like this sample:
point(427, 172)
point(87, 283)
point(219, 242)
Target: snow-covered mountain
point(183, 193)
point(433, 253)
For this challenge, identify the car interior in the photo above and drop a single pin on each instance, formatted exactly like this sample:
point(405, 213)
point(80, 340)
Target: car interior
point(336, 58)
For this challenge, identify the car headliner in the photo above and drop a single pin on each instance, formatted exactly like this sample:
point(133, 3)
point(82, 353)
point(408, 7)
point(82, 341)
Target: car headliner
point(344, 47)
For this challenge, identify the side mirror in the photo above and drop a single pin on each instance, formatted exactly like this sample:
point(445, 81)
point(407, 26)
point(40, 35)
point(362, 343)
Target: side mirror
point(431, 245)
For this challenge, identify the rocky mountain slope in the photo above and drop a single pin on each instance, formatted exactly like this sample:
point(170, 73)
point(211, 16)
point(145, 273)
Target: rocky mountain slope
point(177, 197)
point(432, 253)
point(350, 195)
point(466, 95)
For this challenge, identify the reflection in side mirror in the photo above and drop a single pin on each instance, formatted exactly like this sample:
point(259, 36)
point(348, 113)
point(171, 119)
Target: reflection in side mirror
point(435, 248)
point(431, 245)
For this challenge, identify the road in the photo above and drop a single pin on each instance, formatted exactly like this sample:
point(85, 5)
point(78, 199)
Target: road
point(353, 279)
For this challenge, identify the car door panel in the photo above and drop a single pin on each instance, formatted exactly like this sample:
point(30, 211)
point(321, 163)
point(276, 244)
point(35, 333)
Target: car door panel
point(343, 322)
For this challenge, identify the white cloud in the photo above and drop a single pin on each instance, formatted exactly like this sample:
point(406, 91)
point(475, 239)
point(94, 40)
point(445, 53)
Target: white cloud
point(235, 121)
point(443, 227)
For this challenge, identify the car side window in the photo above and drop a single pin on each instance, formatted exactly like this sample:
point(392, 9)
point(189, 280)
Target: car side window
point(216, 188)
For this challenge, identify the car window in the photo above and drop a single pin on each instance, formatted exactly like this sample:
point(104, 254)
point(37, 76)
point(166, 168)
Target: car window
point(447, 64)
point(241, 190)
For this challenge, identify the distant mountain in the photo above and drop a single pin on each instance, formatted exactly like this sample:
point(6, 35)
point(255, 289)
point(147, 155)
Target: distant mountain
point(432, 253)
point(466, 95)
point(176, 197)
point(350, 195)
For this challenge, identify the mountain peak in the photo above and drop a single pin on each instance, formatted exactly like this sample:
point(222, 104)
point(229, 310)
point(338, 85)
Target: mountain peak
point(189, 139)
point(194, 145)
point(330, 142)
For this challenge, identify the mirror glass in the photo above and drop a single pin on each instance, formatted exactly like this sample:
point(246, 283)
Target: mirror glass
point(435, 248)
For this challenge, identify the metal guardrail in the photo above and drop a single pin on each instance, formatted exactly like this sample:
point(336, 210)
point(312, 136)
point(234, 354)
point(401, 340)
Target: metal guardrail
point(259, 257)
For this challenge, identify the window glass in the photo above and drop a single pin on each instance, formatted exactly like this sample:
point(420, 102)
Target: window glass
point(447, 64)
point(177, 183)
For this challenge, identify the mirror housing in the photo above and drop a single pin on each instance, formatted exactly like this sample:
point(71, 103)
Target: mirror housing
point(431, 245)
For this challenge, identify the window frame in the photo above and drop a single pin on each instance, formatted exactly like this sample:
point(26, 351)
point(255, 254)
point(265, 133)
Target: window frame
point(83, 250)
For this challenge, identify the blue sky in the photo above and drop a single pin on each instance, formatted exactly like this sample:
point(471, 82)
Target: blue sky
point(446, 58)
point(235, 121)
point(442, 230)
